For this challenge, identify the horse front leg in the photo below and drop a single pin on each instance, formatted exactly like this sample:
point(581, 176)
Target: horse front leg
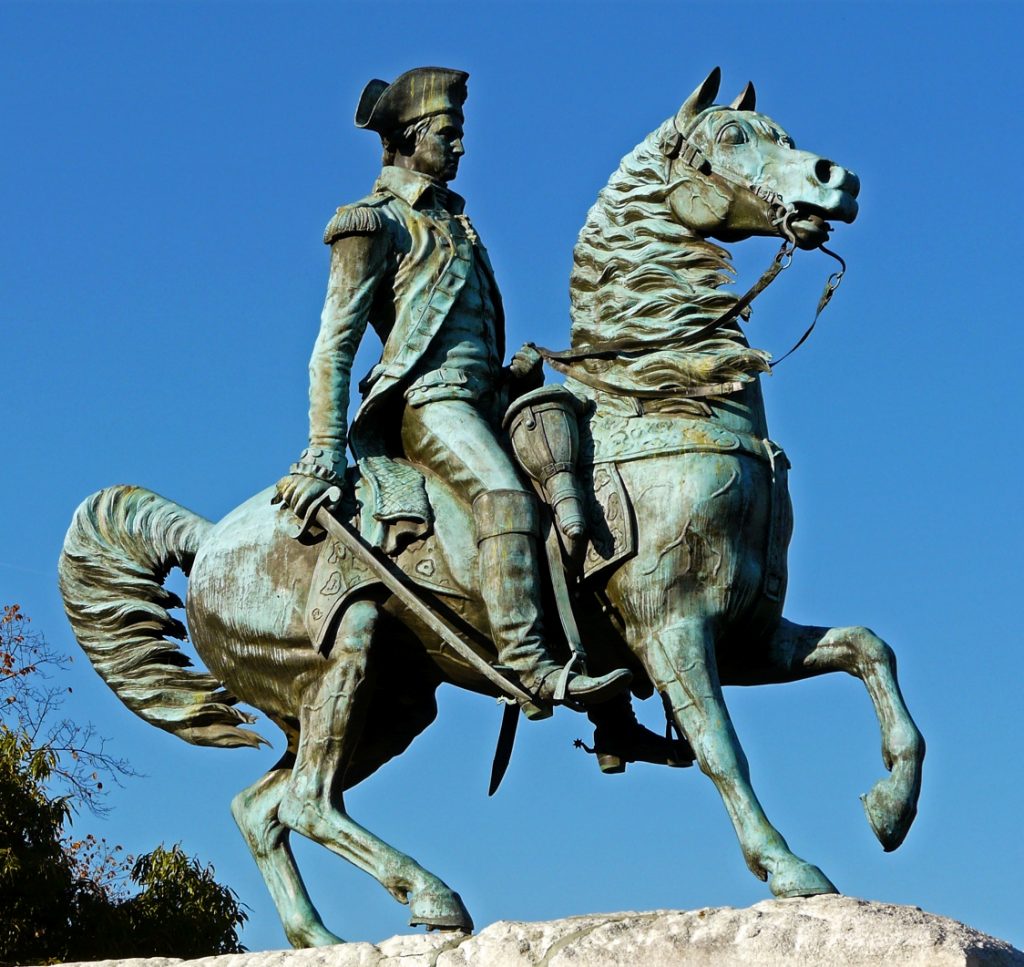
point(331, 720)
point(802, 651)
point(681, 662)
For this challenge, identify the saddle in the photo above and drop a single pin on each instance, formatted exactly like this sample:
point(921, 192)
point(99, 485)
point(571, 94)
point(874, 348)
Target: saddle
point(388, 503)
point(591, 511)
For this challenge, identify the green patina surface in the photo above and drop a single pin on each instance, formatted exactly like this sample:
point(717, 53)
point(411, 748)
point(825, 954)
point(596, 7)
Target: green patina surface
point(647, 490)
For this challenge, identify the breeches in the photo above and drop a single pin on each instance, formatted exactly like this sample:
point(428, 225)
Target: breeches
point(455, 440)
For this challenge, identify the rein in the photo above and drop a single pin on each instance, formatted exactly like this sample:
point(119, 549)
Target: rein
point(567, 361)
point(831, 284)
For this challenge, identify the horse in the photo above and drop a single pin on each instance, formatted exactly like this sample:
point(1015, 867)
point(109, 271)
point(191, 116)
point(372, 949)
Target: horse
point(690, 596)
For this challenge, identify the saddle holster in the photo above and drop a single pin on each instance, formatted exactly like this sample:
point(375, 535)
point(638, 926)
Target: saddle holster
point(542, 426)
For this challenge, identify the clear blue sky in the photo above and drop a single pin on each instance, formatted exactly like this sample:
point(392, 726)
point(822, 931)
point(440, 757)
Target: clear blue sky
point(166, 174)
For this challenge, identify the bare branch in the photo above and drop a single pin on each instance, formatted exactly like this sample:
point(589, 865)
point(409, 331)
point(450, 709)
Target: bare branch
point(30, 704)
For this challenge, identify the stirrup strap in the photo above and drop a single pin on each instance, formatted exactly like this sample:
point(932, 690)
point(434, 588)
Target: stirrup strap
point(563, 676)
point(556, 567)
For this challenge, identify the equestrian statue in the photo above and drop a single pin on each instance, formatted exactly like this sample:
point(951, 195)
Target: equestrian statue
point(580, 544)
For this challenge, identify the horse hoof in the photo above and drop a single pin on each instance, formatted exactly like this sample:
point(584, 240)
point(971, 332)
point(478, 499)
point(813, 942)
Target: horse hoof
point(439, 910)
point(889, 815)
point(800, 879)
point(305, 935)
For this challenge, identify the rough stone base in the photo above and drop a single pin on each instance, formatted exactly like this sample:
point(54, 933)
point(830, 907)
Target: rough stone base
point(824, 931)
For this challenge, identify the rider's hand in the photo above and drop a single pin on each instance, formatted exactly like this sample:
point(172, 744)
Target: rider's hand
point(297, 491)
point(316, 471)
point(527, 364)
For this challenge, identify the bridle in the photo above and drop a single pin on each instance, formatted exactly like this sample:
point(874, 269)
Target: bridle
point(780, 215)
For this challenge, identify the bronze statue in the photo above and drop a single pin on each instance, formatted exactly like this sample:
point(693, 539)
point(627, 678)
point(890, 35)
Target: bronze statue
point(662, 526)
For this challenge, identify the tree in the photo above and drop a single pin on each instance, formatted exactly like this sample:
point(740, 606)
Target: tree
point(30, 707)
point(66, 898)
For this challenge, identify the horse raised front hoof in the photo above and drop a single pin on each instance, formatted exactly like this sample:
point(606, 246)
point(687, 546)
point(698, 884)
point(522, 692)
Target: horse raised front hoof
point(439, 910)
point(889, 812)
point(799, 878)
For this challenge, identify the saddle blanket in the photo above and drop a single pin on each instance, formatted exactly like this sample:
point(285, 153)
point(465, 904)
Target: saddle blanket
point(612, 538)
point(621, 438)
point(613, 440)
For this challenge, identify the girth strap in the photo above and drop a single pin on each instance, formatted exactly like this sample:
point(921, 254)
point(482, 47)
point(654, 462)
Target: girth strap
point(615, 389)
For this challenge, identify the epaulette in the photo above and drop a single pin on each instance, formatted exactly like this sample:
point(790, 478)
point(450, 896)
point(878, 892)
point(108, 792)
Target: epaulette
point(357, 219)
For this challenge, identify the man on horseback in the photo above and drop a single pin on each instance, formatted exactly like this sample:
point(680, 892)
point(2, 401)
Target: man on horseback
point(406, 260)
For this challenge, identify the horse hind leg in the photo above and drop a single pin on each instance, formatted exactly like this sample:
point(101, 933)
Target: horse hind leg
point(256, 811)
point(681, 662)
point(802, 651)
point(313, 805)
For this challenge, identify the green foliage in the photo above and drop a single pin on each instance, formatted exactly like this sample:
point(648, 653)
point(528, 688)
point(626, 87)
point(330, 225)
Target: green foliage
point(36, 879)
point(67, 898)
point(182, 910)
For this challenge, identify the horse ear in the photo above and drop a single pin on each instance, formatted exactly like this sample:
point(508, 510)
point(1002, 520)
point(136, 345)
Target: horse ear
point(699, 100)
point(745, 102)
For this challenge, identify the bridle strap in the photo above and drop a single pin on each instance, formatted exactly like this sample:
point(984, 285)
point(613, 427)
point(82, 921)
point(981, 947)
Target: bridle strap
point(778, 214)
point(683, 148)
point(783, 214)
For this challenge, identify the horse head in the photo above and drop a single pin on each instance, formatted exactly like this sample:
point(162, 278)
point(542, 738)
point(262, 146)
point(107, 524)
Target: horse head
point(736, 173)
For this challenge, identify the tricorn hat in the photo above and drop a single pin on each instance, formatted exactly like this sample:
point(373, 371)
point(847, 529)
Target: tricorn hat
point(419, 93)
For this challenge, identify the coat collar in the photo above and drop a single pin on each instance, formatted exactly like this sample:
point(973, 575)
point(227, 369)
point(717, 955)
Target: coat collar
point(418, 190)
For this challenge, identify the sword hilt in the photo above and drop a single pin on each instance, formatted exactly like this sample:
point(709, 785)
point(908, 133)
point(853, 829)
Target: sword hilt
point(309, 531)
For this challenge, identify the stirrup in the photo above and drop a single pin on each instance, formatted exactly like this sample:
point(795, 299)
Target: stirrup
point(599, 688)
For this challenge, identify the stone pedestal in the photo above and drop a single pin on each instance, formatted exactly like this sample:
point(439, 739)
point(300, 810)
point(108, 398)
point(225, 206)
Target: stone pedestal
point(825, 931)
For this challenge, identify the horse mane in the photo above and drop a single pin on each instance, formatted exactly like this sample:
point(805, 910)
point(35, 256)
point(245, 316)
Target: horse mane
point(639, 274)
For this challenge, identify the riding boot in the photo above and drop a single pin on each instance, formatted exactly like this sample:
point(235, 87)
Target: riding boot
point(506, 532)
point(619, 738)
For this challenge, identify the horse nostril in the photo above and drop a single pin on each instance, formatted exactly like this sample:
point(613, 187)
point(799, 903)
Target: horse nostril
point(823, 170)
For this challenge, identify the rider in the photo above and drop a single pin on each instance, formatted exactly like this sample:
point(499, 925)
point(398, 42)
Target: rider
point(407, 260)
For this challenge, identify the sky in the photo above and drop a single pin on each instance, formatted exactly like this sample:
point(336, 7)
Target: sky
point(167, 172)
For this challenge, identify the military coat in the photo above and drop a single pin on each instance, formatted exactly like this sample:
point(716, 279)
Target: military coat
point(400, 258)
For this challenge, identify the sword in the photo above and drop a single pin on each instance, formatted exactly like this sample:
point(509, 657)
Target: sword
point(503, 750)
point(396, 582)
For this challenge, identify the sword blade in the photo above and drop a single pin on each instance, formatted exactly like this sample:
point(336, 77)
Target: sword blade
point(503, 750)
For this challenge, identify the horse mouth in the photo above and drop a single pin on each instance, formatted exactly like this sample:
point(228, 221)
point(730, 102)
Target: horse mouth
point(809, 227)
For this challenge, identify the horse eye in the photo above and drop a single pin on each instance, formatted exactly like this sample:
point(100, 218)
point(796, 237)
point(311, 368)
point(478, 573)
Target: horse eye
point(732, 134)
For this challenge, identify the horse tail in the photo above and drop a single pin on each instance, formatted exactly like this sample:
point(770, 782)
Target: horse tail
point(122, 543)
